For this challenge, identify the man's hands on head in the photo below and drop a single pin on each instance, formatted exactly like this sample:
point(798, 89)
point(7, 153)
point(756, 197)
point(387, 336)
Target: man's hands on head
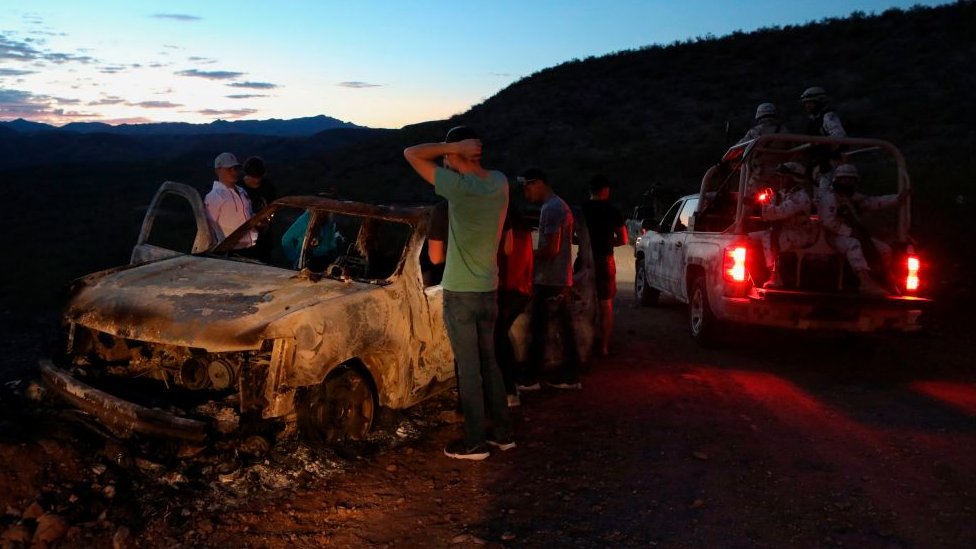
point(470, 149)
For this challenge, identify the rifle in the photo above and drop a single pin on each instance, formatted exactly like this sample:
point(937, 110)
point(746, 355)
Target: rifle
point(848, 213)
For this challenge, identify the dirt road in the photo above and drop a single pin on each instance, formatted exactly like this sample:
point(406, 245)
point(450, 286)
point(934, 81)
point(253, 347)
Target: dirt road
point(769, 441)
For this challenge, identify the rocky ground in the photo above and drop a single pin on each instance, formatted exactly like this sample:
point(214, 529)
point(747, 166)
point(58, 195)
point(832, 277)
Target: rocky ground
point(771, 441)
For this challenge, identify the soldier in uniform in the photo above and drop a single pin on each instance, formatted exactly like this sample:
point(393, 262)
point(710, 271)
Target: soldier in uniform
point(839, 205)
point(767, 121)
point(822, 118)
point(789, 210)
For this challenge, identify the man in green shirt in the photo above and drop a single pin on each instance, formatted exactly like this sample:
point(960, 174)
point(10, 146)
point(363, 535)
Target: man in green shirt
point(477, 200)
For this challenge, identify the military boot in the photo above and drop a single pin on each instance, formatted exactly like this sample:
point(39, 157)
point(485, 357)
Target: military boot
point(775, 282)
point(868, 286)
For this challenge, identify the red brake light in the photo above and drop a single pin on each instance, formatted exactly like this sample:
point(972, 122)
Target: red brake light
point(911, 279)
point(735, 264)
point(764, 196)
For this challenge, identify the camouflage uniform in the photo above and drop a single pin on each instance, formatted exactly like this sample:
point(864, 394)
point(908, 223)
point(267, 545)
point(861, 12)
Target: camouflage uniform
point(767, 122)
point(764, 127)
point(826, 123)
point(835, 209)
point(823, 120)
point(793, 231)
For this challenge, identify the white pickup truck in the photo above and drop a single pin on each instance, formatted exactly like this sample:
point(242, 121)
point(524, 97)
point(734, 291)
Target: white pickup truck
point(701, 251)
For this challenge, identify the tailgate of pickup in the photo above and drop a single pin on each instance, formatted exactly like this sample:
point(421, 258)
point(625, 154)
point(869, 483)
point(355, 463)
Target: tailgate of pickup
point(851, 299)
point(121, 417)
point(826, 311)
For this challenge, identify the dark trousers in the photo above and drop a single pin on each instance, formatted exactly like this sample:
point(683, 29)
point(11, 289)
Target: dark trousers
point(511, 304)
point(470, 319)
point(552, 303)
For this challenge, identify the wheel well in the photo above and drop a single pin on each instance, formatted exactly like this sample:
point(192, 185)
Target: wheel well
point(359, 367)
point(693, 272)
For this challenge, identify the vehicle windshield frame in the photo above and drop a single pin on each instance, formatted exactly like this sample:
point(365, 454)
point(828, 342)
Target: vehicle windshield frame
point(408, 216)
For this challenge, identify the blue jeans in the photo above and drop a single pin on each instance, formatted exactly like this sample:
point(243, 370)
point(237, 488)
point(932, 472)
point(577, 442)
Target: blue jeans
point(552, 303)
point(470, 320)
point(511, 304)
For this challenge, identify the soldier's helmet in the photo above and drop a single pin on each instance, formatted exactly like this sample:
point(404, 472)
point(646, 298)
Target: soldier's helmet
point(815, 93)
point(845, 179)
point(766, 110)
point(846, 170)
point(793, 170)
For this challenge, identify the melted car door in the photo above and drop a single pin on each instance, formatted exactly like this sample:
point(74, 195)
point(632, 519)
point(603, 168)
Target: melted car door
point(175, 224)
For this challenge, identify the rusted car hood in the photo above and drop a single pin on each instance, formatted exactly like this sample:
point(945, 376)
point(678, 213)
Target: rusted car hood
point(213, 304)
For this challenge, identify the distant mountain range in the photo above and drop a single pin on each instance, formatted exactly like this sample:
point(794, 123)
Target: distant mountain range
point(295, 127)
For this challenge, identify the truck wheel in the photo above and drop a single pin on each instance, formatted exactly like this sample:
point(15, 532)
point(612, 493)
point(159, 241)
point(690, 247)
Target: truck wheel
point(645, 294)
point(338, 409)
point(704, 326)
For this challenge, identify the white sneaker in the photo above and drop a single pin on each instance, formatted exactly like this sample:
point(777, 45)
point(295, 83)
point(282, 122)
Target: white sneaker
point(533, 387)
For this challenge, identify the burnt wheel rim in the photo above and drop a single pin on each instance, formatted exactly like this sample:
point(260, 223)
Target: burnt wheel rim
point(345, 410)
point(697, 308)
point(639, 282)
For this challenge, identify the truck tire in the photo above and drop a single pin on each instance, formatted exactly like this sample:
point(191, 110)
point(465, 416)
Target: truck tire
point(341, 408)
point(645, 294)
point(702, 322)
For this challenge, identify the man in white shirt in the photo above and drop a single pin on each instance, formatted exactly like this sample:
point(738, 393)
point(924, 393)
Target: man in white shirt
point(228, 206)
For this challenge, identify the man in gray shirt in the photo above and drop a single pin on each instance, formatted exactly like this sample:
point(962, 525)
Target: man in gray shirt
point(552, 284)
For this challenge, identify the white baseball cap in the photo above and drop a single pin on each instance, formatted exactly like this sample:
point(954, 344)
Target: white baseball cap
point(226, 160)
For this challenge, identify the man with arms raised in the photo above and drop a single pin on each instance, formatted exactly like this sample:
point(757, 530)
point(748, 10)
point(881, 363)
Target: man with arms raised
point(477, 199)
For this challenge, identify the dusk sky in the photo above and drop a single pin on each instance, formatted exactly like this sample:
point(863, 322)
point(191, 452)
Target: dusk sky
point(378, 63)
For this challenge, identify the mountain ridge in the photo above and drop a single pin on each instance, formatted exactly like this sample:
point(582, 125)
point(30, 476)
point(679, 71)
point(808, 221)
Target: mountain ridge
point(293, 127)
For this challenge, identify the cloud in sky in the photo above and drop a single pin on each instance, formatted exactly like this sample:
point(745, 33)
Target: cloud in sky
point(60, 58)
point(61, 113)
point(201, 60)
point(15, 72)
point(14, 50)
point(155, 104)
point(24, 50)
point(253, 85)
point(176, 17)
point(112, 69)
point(245, 95)
point(211, 75)
point(111, 100)
point(229, 113)
point(21, 103)
point(355, 84)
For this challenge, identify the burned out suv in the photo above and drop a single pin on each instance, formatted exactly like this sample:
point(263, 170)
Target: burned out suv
point(193, 339)
point(704, 251)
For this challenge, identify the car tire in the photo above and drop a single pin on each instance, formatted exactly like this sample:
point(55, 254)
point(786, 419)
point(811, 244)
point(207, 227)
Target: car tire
point(645, 294)
point(701, 320)
point(340, 408)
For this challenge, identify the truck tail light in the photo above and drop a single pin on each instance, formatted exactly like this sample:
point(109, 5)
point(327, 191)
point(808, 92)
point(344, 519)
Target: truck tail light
point(912, 265)
point(735, 263)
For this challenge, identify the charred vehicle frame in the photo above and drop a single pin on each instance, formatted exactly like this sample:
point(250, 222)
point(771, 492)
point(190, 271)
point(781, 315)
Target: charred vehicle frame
point(193, 340)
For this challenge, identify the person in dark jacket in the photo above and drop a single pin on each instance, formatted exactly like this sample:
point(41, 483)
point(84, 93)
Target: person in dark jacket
point(261, 193)
point(607, 231)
